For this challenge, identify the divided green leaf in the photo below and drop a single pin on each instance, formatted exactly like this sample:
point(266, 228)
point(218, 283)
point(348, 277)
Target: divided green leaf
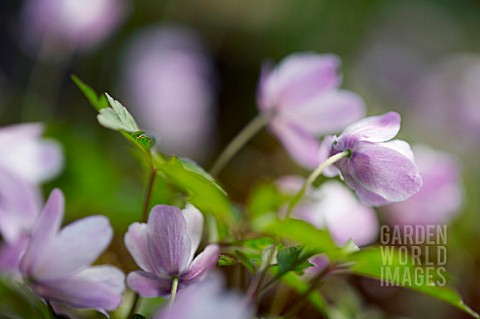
point(117, 117)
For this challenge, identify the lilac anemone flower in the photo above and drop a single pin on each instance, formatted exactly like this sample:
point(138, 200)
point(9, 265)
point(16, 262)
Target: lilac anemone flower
point(301, 100)
point(441, 196)
point(208, 300)
point(164, 248)
point(56, 262)
point(169, 79)
point(380, 170)
point(333, 206)
point(27, 155)
point(68, 25)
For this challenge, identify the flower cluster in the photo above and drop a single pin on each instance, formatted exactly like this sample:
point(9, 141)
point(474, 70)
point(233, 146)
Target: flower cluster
point(302, 104)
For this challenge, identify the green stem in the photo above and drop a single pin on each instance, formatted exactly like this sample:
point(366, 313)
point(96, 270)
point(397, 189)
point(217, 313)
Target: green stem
point(314, 284)
point(148, 194)
point(239, 141)
point(136, 299)
point(174, 291)
point(331, 160)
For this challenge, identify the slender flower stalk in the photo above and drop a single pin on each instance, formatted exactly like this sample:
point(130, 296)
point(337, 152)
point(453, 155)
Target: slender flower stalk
point(311, 179)
point(173, 293)
point(238, 142)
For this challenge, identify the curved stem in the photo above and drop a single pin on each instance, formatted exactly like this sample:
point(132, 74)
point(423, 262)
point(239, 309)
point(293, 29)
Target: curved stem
point(331, 160)
point(174, 291)
point(239, 141)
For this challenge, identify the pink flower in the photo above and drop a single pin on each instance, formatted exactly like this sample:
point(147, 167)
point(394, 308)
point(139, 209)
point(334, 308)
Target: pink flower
point(208, 300)
point(169, 81)
point(380, 170)
point(302, 101)
point(56, 262)
point(27, 155)
point(164, 248)
point(334, 207)
point(66, 25)
point(440, 197)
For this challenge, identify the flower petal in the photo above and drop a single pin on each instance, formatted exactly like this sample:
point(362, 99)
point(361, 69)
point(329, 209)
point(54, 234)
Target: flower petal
point(10, 254)
point(76, 246)
point(149, 285)
point(44, 231)
point(375, 128)
point(168, 240)
point(29, 156)
point(20, 204)
point(298, 78)
point(98, 287)
point(136, 241)
point(203, 263)
point(194, 219)
point(301, 145)
point(381, 170)
point(327, 112)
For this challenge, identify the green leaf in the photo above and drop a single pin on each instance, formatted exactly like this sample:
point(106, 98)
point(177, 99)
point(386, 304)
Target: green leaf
point(137, 316)
point(141, 140)
point(294, 258)
point(200, 187)
point(117, 117)
point(98, 102)
point(267, 256)
point(226, 260)
point(264, 201)
point(246, 261)
point(17, 301)
point(303, 233)
point(371, 263)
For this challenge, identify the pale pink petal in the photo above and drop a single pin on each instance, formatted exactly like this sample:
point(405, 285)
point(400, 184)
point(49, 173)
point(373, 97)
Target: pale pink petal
point(20, 204)
point(169, 245)
point(44, 231)
point(136, 242)
point(297, 78)
point(381, 170)
point(75, 247)
point(328, 112)
point(203, 263)
point(301, 145)
point(149, 285)
point(98, 287)
point(194, 219)
point(375, 128)
point(27, 155)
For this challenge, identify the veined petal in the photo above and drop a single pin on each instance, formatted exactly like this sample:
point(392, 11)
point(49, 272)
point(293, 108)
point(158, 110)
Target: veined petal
point(374, 129)
point(301, 145)
point(76, 246)
point(203, 263)
point(149, 285)
point(381, 170)
point(194, 219)
point(327, 112)
point(44, 231)
point(297, 78)
point(168, 241)
point(136, 242)
point(98, 287)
